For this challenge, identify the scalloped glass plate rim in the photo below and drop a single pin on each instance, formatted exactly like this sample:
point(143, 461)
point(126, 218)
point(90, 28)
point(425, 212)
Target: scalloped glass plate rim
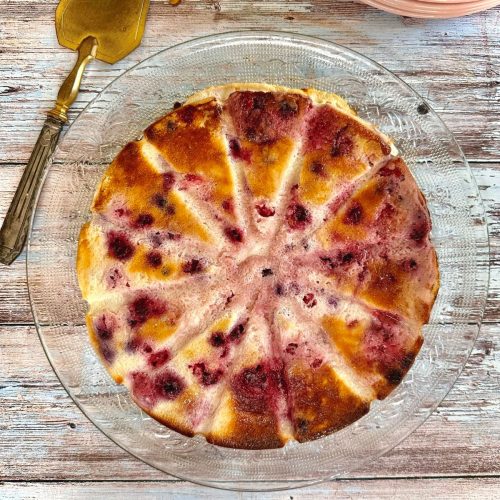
point(223, 38)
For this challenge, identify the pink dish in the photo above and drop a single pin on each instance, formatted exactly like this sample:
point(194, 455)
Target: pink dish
point(431, 9)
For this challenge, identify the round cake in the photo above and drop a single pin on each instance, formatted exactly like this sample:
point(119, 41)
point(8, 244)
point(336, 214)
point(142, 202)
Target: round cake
point(258, 266)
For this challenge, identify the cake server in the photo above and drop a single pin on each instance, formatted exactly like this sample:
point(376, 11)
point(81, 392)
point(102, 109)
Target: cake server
point(107, 30)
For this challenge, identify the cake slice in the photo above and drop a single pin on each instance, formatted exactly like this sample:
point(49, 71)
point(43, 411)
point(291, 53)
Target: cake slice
point(253, 412)
point(376, 246)
point(192, 147)
point(323, 394)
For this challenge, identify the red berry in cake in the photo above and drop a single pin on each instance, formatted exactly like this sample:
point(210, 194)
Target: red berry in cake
point(234, 234)
point(115, 277)
point(138, 344)
point(158, 358)
point(316, 363)
point(419, 231)
point(387, 212)
point(159, 200)
point(237, 332)
point(354, 214)
point(168, 181)
point(342, 143)
point(171, 125)
point(237, 152)
point(143, 220)
point(309, 300)
point(288, 108)
point(318, 168)
point(119, 246)
point(143, 308)
point(104, 327)
point(154, 258)
point(193, 178)
point(186, 113)
point(121, 212)
point(228, 205)
point(217, 339)
point(264, 210)
point(254, 378)
point(332, 301)
point(107, 352)
point(193, 266)
point(389, 170)
point(410, 265)
point(297, 216)
point(143, 389)
point(206, 376)
point(328, 262)
point(347, 258)
point(256, 388)
point(168, 385)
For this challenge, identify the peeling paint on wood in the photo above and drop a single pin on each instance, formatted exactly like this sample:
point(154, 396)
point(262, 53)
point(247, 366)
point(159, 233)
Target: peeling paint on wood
point(428, 489)
point(452, 63)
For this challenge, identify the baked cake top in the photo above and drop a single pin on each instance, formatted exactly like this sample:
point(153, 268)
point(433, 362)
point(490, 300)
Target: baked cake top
point(258, 266)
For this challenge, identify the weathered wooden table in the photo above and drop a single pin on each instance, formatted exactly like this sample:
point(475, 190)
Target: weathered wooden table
point(48, 449)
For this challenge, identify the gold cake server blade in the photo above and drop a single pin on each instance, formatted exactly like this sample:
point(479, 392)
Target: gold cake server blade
point(107, 30)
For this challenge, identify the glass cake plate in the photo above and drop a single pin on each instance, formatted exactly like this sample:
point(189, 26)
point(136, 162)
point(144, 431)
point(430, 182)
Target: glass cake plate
point(146, 92)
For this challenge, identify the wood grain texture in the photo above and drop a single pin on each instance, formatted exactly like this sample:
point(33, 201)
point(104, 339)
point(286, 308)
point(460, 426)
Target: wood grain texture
point(45, 437)
point(451, 63)
point(428, 489)
point(48, 449)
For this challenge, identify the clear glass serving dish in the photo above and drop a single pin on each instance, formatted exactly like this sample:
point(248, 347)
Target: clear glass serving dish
point(146, 92)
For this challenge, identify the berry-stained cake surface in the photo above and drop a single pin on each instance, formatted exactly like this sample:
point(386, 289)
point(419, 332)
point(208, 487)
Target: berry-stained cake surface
point(258, 266)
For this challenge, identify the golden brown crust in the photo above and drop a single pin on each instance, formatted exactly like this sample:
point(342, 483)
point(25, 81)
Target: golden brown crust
point(84, 260)
point(320, 402)
point(247, 429)
point(174, 418)
point(394, 375)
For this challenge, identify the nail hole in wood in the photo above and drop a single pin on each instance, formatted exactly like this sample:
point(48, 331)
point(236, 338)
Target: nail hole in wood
point(422, 108)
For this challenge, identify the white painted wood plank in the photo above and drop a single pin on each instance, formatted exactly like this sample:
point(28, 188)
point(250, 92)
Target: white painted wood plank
point(43, 435)
point(451, 62)
point(401, 489)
